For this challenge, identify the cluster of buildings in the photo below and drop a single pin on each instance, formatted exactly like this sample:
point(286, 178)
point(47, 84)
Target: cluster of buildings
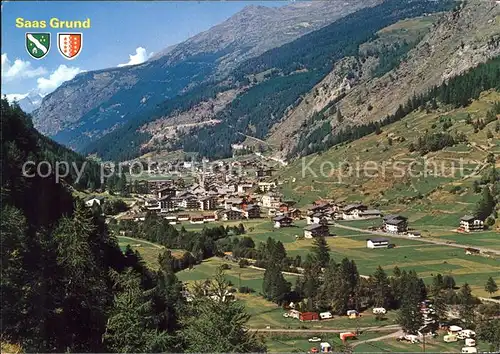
point(217, 196)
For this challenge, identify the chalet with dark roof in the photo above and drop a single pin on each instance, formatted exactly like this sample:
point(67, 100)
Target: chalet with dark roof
point(395, 223)
point(282, 221)
point(316, 230)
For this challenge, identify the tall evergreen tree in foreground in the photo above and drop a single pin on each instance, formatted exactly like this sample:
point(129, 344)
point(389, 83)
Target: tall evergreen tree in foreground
point(321, 251)
point(491, 286)
point(131, 327)
point(382, 295)
point(275, 287)
point(410, 317)
point(214, 323)
point(467, 305)
point(486, 205)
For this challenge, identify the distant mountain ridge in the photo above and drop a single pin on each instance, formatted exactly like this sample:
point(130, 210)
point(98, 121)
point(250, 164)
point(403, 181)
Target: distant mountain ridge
point(28, 102)
point(270, 85)
point(460, 40)
point(97, 102)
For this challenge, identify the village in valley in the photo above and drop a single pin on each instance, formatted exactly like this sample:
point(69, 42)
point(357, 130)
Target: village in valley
point(258, 221)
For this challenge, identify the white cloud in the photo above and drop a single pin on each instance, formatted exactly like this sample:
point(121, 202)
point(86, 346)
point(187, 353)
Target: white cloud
point(140, 56)
point(61, 74)
point(20, 69)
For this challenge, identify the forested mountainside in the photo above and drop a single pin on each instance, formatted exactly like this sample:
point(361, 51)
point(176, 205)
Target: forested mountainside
point(436, 156)
point(68, 287)
point(457, 41)
point(459, 91)
point(95, 103)
point(269, 86)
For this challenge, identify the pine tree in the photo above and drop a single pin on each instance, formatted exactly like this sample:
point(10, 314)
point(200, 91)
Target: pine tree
point(340, 117)
point(491, 286)
point(275, 288)
point(346, 283)
point(308, 286)
point(321, 251)
point(489, 332)
point(486, 205)
point(449, 282)
point(467, 305)
point(216, 324)
point(382, 296)
point(327, 288)
point(130, 327)
point(440, 306)
point(437, 284)
point(410, 317)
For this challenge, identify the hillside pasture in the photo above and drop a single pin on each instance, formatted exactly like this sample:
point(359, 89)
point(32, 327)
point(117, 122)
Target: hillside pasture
point(409, 254)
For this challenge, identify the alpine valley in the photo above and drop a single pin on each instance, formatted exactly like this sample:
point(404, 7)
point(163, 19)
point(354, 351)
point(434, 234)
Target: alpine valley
point(292, 79)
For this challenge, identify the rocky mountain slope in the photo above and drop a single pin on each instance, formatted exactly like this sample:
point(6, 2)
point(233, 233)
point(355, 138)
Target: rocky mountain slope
point(458, 41)
point(269, 85)
point(28, 102)
point(95, 103)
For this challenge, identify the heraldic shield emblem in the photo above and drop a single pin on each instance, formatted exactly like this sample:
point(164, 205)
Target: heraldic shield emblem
point(70, 44)
point(37, 44)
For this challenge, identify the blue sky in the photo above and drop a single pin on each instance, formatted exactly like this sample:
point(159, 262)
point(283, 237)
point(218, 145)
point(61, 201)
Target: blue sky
point(118, 30)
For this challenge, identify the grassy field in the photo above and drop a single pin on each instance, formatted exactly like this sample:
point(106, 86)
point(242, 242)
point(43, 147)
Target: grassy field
point(237, 276)
point(386, 186)
point(299, 342)
point(432, 345)
point(149, 251)
point(264, 313)
point(286, 343)
point(427, 259)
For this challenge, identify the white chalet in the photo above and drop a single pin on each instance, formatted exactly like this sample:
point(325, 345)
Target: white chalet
point(377, 243)
point(469, 223)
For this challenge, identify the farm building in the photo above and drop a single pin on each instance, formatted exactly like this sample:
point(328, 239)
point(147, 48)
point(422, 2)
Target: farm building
point(395, 223)
point(469, 223)
point(316, 230)
point(282, 221)
point(308, 316)
point(317, 218)
point(377, 243)
point(209, 217)
point(414, 234)
point(352, 211)
point(284, 208)
point(197, 220)
point(319, 208)
point(182, 217)
point(370, 214)
point(469, 251)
